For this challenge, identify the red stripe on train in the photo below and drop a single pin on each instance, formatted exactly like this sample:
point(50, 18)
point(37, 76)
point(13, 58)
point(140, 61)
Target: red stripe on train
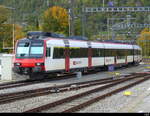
point(89, 57)
point(67, 60)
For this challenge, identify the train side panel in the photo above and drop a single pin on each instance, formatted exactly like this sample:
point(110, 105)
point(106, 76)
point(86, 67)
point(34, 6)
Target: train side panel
point(78, 63)
point(130, 59)
point(137, 54)
point(54, 64)
point(109, 60)
point(121, 61)
point(97, 61)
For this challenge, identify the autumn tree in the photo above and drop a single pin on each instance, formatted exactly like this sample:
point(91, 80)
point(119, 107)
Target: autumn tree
point(144, 42)
point(55, 19)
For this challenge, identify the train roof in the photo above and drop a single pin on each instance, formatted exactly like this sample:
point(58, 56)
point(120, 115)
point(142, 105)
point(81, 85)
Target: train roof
point(56, 41)
point(137, 47)
point(83, 44)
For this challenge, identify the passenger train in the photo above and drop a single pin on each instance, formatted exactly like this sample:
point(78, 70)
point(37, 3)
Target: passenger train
point(43, 53)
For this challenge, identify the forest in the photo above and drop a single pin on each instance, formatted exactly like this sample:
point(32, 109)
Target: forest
point(17, 17)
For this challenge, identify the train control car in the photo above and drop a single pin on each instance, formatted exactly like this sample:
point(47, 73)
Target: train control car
point(47, 53)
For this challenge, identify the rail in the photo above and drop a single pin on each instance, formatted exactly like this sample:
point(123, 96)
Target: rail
point(79, 96)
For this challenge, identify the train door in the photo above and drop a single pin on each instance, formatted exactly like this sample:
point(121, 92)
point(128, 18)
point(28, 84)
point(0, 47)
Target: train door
point(48, 58)
point(126, 59)
point(133, 50)
point(126, 54)
point(67, 56)
point(89, 57)
point(115, 60)
point(89, 54)
point(67, 59)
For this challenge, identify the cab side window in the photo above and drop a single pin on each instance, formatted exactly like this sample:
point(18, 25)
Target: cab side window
point(48, 52)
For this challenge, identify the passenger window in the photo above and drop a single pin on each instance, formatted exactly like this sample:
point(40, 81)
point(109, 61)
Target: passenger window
point(97, 52)
point(58, 53)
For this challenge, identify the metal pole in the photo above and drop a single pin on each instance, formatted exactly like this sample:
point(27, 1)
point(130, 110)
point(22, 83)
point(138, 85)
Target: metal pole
point(69, 20)
point(13, 31)
point(108, 27)
point(103, 3)
point(72, 17)
point(83, 21)
point(13, 37)
point(13, 26)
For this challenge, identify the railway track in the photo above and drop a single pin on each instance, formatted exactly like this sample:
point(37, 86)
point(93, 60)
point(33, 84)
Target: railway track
point(146, 60)
point(11, 97)
point(73, 103)
point(30, 82)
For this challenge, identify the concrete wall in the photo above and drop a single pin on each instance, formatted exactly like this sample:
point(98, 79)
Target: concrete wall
point(6, 63)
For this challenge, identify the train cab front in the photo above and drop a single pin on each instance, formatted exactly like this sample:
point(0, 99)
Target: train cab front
point(29, 57)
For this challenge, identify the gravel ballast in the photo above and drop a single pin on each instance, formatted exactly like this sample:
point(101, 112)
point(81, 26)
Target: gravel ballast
point(115, 103)
point(121, 103)
point(99, 75)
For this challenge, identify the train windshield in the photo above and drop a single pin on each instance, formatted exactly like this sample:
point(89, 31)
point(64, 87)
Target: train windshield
point(30, 50)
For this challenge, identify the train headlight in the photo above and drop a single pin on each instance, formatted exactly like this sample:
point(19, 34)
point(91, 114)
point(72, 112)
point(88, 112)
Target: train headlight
point(39, 64)
point(17, 64)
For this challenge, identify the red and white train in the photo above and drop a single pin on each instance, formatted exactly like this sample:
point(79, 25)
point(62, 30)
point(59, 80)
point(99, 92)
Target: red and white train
point(43, 54)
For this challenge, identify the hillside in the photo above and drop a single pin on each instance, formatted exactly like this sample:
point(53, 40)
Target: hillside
point(29, 13)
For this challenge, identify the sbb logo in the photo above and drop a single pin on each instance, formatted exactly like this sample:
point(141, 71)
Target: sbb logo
point(76, 62)
point(108, 60)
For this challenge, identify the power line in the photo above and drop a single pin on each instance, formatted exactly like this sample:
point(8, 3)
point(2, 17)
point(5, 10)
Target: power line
point(116, 9)
point(71, 17)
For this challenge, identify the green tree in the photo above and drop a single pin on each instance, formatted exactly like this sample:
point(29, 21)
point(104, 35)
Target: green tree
point(6, 30)
point(4, 14)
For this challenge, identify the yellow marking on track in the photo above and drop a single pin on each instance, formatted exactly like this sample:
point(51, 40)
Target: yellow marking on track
point(127, 93)
point(114, 73)
point(147, 67)
point(117, 74)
